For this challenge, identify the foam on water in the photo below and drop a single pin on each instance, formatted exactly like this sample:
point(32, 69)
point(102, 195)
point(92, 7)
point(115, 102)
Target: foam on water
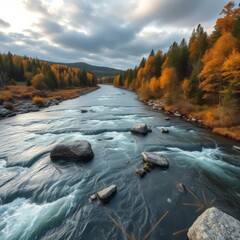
point(209, 159)
point(22, 219)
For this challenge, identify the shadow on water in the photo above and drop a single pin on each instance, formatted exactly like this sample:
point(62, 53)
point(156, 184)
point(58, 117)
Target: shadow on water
point(41, 199)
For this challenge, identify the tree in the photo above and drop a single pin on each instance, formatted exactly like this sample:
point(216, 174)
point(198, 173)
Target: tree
point(142, 63)
point(169, 84)
point(38, 82)
point(198, 44)
point(231, 71)
point(211, 74)
point(236, 28)
point(83, 78)
point(230, 14)
point(151, 53)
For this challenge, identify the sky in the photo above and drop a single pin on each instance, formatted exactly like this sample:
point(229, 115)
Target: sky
point(112, 33)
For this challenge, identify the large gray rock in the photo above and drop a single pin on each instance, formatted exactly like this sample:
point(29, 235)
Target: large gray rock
point(140, 128)
point(4, 112)
point(76, 151)
point(214, 224)
point(106, 193)
point(155, 159)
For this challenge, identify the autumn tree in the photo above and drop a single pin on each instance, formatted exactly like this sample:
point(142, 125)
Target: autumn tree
point(229, 16)
point(169, 84)
point(38, 82)
point(211, 74)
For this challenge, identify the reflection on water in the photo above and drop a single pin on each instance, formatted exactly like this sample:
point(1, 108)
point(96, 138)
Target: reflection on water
point(45, 200)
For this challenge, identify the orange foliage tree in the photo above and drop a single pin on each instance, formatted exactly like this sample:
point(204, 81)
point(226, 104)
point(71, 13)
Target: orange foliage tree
point(230, 14)
point(211, 74)
point(169, 84)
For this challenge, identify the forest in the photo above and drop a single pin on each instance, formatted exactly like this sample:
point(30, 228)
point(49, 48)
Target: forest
point(199, 78)
point(41, 75)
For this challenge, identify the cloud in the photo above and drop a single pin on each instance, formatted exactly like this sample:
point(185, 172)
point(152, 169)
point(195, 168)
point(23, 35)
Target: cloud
point(4, 24)
point(107, 32)
point(36, 6)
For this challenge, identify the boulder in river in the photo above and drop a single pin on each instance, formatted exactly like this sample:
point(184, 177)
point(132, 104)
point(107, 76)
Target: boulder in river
point(141, 128)
point(155, 159)
point(76, 151)
point(105, 194)
point(214, 224)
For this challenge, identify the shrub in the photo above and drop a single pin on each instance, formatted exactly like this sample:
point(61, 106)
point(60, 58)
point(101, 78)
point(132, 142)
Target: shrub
point(38, 101)
point(41, 94)
point(26, 95)
point(8, 98)
point(184, 107)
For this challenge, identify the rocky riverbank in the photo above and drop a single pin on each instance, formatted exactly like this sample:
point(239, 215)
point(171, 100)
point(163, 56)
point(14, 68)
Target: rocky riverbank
point(21, 105)
point(232, 132)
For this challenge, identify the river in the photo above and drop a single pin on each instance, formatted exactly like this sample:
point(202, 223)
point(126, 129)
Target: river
point(41, 199)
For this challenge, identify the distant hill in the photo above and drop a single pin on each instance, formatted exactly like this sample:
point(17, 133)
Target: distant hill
point(96, 70)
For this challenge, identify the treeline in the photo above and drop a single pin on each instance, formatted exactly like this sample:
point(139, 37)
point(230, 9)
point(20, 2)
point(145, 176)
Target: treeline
point(106, 80)
point(203, 72)
point(40, 74)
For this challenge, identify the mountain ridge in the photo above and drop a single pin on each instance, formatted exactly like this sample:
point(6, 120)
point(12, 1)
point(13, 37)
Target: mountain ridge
point(98, 71)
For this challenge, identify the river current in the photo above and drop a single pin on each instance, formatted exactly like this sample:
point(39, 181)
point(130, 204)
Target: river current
point(41, 199)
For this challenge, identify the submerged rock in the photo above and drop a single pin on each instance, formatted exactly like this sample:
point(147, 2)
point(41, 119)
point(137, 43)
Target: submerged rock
point(167, 118)
point(181, 188)
point(148, 167)
point(141, 172)
point(93, 197)
point(214, 224)
point(105, 139)
point(140, 128)
point(106, 193)
point(84, 110)
point(76, 151)
point(163, 130)
point(155, 159)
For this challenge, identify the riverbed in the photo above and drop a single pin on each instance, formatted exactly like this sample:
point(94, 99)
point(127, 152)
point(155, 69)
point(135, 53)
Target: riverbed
point(41, 199)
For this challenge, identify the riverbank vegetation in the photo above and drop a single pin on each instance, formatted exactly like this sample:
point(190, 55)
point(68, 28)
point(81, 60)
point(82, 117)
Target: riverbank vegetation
point(32, 80)
point(199, 78)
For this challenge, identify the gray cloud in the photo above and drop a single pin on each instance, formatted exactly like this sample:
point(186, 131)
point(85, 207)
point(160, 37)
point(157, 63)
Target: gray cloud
point(36, 6)
point(108, 32)
point(4, 24)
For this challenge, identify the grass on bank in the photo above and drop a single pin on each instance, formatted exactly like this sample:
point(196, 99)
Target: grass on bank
point(12, 94)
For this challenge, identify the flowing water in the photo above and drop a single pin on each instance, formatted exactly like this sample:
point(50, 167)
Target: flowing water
point(41, 199)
